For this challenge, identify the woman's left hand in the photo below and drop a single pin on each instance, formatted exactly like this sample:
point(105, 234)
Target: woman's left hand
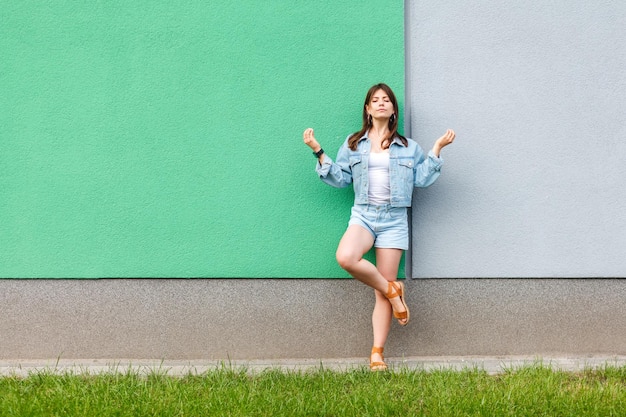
point(444, 141)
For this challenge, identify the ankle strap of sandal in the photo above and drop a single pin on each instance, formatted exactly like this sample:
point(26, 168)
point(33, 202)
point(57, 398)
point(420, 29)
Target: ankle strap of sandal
point(376, 349)
point(393, 290)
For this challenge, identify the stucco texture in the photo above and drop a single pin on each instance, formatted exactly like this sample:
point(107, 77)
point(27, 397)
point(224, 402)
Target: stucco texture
point(154, 139)
point(534, 184)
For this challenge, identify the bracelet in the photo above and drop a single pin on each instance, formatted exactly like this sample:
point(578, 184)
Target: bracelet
point(319, 153)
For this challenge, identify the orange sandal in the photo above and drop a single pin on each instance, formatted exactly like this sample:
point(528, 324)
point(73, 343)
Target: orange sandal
point(396, 289)
point(377, 366)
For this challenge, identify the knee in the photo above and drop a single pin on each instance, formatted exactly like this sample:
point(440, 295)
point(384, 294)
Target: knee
point(345, 259)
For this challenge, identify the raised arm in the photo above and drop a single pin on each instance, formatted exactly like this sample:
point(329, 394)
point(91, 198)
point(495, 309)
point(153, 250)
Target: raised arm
point(428, 167)
point(311, 142)
point(337, 174)
point(443, 141)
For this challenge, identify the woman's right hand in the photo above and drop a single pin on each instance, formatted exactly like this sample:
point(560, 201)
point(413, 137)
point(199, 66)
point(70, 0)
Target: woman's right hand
point(310, 141)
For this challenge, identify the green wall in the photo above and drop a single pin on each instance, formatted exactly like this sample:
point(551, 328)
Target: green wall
point(163, 139)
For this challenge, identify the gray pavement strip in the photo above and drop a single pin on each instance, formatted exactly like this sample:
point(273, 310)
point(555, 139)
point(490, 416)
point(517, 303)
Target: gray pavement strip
point(492, 365)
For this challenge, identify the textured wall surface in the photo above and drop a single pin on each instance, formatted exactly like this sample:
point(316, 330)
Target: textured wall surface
point(534, 185)
point(153, 139)
point(480, 227)
point(313, 319)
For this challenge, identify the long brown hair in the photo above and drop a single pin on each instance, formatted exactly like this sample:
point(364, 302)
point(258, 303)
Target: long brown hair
point(393, 121)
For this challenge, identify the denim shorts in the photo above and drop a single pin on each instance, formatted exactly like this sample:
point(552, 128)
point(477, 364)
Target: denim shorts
point(388, 225)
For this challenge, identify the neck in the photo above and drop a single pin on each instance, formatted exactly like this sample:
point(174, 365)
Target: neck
point(380, 128)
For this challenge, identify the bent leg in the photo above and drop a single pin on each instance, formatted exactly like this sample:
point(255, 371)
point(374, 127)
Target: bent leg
point(355, 243)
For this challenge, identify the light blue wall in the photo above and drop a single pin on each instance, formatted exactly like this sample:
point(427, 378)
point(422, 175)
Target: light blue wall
point(534, 185)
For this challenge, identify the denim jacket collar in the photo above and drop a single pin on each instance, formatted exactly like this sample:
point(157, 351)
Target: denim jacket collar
point(395, 140)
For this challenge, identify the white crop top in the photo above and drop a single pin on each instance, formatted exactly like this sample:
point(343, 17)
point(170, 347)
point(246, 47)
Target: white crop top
point(379, 191)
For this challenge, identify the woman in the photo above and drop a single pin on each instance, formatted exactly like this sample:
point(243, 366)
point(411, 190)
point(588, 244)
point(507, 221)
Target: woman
point(384, 167)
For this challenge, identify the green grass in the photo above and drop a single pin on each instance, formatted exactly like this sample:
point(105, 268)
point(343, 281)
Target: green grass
point(527, 391)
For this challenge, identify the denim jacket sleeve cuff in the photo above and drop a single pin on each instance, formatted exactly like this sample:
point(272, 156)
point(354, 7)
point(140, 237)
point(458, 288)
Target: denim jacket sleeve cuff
point(437, 161)
point(324, 168)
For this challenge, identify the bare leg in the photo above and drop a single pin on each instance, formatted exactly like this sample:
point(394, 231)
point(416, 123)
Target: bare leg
point(387, 263)
point(355, 243)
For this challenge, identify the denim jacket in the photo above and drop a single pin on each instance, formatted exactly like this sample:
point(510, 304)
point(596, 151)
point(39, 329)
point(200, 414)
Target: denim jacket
point(408, 168)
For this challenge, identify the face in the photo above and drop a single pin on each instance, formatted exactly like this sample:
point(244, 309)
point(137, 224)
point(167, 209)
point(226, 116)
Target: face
point(380, 105)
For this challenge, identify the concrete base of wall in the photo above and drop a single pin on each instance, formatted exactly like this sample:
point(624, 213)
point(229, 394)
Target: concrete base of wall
point(319, 319)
